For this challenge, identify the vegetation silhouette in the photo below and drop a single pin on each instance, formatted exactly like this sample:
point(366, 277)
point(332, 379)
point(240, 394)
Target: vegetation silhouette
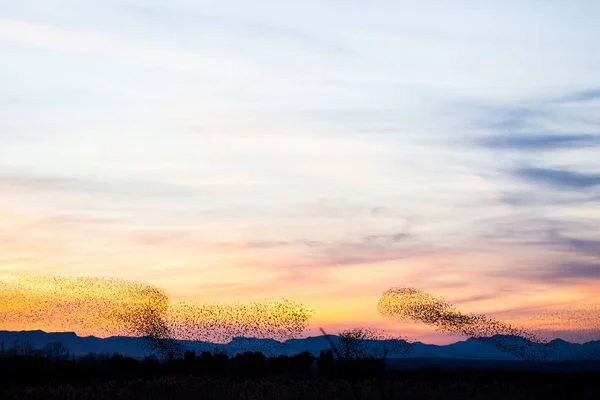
point(361, 352)
point(360, 343)
point(42, 374)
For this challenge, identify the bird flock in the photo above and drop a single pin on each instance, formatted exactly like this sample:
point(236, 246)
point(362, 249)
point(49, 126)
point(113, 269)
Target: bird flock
point(576, 323)
point(87, 305)
point(103, 306)
point(114, 307)
point(219, 323)
point(411, 304)
point(201, 325)
point(406, 303)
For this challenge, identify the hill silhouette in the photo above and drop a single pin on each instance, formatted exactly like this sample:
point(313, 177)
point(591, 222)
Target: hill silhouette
point(470, 349)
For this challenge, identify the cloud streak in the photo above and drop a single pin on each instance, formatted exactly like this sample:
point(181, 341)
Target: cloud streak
point(582, 96)
point(57, 38)
point(535, 142)
point(563, 273)
point(558, 178)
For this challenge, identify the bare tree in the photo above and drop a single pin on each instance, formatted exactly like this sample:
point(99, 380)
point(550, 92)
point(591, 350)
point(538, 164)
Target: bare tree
point(56, 351)
point(359, 343)
point(25, 348)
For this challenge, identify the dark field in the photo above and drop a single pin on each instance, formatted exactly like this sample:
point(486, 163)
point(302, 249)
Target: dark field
point(420, 386)
point(253, 376)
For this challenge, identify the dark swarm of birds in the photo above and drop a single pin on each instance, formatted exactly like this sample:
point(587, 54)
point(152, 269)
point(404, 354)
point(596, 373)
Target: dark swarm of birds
point(114, 307)
point(410, 304)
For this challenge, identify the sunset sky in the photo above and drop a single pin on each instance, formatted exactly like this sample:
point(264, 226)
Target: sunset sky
point(318, 151)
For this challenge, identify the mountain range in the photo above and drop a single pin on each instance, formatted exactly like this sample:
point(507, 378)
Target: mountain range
point(470, 349)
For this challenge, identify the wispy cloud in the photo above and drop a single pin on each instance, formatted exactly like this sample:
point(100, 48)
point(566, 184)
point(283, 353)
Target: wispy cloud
point(528, 199)
point(498, 294)
point(40, 183)
point(533, 142)
point(117, 48)
point(174, 17)
point(581, 96)
point(393, 238)
point(563, 273)
point(581, 246)
point(558, 178)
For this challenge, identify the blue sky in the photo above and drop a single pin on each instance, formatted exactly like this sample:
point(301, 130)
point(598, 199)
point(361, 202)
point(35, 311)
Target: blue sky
point(316, 150)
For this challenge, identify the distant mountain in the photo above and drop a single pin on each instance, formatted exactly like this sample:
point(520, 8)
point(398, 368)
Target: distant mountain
point(130, 346)
point(470, 349)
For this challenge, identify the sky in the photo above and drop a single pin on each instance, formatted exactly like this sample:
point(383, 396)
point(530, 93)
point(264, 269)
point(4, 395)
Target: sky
point(318, 151)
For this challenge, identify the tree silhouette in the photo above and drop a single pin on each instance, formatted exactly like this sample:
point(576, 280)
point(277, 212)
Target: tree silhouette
point(360, 343)
point(56, 351)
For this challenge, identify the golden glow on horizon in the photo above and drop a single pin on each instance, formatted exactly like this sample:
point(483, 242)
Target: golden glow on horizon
point(107, 307)
point(191, 269)
point(85, 305)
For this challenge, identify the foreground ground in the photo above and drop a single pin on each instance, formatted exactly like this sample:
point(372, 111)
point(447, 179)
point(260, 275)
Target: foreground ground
point(424, 386)
point(251, 375)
